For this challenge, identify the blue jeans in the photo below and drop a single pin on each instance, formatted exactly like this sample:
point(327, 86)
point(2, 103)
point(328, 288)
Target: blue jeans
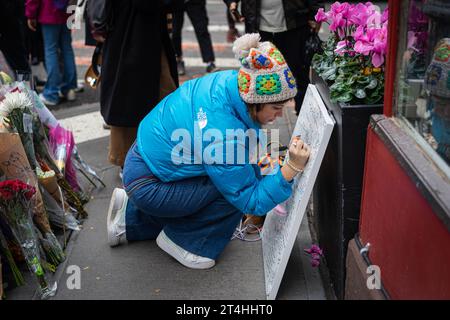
point(58, 40)
point(192, 212)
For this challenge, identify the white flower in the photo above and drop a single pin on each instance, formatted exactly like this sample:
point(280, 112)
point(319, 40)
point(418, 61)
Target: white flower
point(44, 174)
point(14, 100)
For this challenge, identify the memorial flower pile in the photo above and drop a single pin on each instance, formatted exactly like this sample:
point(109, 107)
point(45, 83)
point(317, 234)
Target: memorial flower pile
point(38, 200)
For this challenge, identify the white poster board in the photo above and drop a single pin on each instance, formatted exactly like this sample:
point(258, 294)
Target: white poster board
point(314, 125)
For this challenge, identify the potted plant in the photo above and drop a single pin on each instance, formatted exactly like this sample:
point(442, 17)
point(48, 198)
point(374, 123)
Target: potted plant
point(349, 76)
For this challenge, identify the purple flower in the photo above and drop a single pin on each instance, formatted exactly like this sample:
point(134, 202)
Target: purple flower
point(315, 256)
point(314, 249)
point(315, 263)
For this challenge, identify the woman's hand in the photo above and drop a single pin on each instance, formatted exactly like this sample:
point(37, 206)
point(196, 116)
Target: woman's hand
point(299, 153)
point(235, 12)
point(32, 24)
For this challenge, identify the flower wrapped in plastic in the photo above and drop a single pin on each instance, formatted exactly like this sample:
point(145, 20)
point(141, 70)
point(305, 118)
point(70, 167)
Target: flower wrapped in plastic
point(46, 160)
point(16, 206)
point(15, 113)
point(6, 252)
point(49, 120)
point(62, 143)
point(14, 164)
point(59, 211)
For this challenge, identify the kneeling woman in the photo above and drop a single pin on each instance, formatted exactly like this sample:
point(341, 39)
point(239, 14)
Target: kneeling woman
point(192, 205)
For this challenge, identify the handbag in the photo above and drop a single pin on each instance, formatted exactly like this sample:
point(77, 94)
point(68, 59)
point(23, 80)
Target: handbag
point(93, 73)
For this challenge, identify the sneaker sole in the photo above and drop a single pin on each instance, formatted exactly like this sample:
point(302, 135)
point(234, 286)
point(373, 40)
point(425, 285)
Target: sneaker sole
point(163, 242)
point(113, 207)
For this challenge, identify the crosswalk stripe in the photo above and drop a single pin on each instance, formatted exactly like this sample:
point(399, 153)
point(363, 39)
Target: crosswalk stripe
point(189, 62)
point(218, 28)
point(220, 62)
point(86, 127)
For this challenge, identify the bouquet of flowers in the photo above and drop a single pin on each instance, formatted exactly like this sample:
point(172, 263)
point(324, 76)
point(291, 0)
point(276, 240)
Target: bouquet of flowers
point(354, 54)
point(15, 165)
point(59, 211)
point(49, 120)
point(47, 163)
point(15, 111)
point(15, 204)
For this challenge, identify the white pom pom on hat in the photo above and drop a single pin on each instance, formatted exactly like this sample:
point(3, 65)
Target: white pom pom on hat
point(243, 44)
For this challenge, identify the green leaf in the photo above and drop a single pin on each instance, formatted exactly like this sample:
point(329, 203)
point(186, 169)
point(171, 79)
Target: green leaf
point(360, 94)
point(372, 84)
point(328, 73)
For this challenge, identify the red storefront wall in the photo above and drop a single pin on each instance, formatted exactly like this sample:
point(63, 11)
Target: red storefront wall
point(408, 241)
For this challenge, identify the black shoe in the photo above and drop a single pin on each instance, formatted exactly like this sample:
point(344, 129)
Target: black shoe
point(211, 67)
point(181, 68)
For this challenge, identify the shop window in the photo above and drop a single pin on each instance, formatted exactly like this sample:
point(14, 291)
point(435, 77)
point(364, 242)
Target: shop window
point(422, 95)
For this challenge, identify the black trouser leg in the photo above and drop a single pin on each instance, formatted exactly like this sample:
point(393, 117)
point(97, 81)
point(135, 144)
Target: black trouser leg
point(177, 21)
point(196, 10)
point(231, 23)
point(12, 44)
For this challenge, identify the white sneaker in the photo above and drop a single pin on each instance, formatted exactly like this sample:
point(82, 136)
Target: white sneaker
point(70, 96)
point(184, 257)
point(47, 102)
point(116, 218)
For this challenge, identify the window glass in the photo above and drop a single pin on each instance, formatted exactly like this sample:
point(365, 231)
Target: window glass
point(423, 89)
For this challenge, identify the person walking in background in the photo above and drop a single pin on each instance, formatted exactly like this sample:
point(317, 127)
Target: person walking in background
point(12, 37)
point(196, 11)
point(287, 24)
point(52, 16)
point(138, 69)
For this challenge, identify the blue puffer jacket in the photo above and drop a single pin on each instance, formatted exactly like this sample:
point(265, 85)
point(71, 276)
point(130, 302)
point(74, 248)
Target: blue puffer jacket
point(178, 122)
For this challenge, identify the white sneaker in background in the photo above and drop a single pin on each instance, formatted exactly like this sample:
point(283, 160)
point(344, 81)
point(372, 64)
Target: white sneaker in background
point(184, 257)
point(71, 96)
point(47, 102)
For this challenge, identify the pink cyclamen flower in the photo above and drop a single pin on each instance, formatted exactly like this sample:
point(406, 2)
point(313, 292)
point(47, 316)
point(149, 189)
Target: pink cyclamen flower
point(337, 22)
point(385, 16)
point(341, 48)
point(321, 16)
point(359, 15)
point(363, 47)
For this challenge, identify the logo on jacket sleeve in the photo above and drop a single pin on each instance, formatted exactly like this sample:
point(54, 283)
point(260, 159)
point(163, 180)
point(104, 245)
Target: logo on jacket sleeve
point(201, 118)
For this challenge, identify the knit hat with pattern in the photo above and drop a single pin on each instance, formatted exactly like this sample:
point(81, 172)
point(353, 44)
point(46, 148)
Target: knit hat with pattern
point(264, 75)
